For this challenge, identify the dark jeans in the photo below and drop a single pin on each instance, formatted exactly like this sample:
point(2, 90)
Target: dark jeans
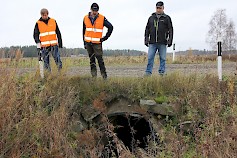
point(95, 51)
point(55, 54)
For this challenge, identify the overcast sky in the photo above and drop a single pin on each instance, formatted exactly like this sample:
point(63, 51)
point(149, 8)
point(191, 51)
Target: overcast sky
point(129, 17)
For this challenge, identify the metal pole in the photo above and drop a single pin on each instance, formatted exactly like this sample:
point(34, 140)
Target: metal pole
point(173, 52)
point(219, 59)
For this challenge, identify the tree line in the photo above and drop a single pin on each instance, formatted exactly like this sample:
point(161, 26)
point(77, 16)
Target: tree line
point(220, 28)
point(31, 51)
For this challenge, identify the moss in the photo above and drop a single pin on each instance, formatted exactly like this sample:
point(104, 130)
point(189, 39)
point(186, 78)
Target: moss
point(161, 99)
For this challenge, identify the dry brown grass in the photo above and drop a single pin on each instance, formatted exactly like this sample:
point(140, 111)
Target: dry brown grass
point(36, 116)
point(192, 59)
point(34, 120)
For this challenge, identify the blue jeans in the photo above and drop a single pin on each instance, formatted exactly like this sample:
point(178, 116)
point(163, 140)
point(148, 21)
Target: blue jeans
point(153, 48)
point(55, 54)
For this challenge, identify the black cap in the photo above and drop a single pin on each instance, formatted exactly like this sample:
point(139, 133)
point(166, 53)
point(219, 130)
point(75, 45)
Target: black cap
point(95, 7)
point(159, 4)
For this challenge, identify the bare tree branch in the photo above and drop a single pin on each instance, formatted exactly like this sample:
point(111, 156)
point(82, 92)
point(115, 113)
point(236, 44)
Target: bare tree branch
point(221, 28)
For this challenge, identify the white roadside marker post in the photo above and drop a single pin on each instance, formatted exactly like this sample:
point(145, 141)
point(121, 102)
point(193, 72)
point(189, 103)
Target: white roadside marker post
point(40, 58)
point(219, 59)
point(41, 65)
point(173, 52)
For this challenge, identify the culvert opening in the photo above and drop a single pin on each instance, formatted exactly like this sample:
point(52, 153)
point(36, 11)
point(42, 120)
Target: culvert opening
point(133, 130)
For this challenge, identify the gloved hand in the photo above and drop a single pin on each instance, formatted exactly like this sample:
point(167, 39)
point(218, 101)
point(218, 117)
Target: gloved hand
point(85, 43)
point(169, 44)
point(147, 44)
point(102, 40)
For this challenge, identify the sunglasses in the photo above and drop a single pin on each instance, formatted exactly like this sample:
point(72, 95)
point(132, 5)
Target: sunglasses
point(158, 7)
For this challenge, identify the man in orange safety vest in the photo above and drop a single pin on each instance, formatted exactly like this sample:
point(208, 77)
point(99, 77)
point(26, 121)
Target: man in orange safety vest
point(47, 36)
point(93, 25)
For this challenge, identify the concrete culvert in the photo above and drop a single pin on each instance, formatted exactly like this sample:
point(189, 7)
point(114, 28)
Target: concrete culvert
point(135, 125)
point(133, 130)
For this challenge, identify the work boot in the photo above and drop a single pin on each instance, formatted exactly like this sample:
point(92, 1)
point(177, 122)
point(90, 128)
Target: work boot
point(94, 73)
point(104, 75)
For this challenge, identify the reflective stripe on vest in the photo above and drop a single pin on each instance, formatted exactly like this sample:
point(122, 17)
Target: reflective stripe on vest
point(94, 32)
point(48, 35)
point(93, 40)
point(50, 43)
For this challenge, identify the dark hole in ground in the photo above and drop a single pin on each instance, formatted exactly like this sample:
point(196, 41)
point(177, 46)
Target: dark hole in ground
point(133, 130)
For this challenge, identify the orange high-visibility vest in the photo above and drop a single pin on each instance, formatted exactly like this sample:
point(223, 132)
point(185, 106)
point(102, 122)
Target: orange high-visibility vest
point(47, 35)
point(94, 32)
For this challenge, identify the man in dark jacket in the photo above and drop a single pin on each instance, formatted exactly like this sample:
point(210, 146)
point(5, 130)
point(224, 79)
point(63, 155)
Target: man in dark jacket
point(93, 24)
point(158, 34)
point(48, 38)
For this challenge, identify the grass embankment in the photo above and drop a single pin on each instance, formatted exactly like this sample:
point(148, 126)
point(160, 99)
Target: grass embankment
point(36, 116)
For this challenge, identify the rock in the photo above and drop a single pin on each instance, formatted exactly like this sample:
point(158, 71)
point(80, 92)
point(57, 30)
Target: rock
point(147, 102)
point(79, 126)
point(153, 107)
point(89, 113)
point(122, 106)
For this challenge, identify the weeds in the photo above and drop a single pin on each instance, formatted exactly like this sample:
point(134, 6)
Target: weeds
point(36, 116)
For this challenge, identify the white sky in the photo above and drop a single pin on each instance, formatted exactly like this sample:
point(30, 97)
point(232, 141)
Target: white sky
point(129, 17)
